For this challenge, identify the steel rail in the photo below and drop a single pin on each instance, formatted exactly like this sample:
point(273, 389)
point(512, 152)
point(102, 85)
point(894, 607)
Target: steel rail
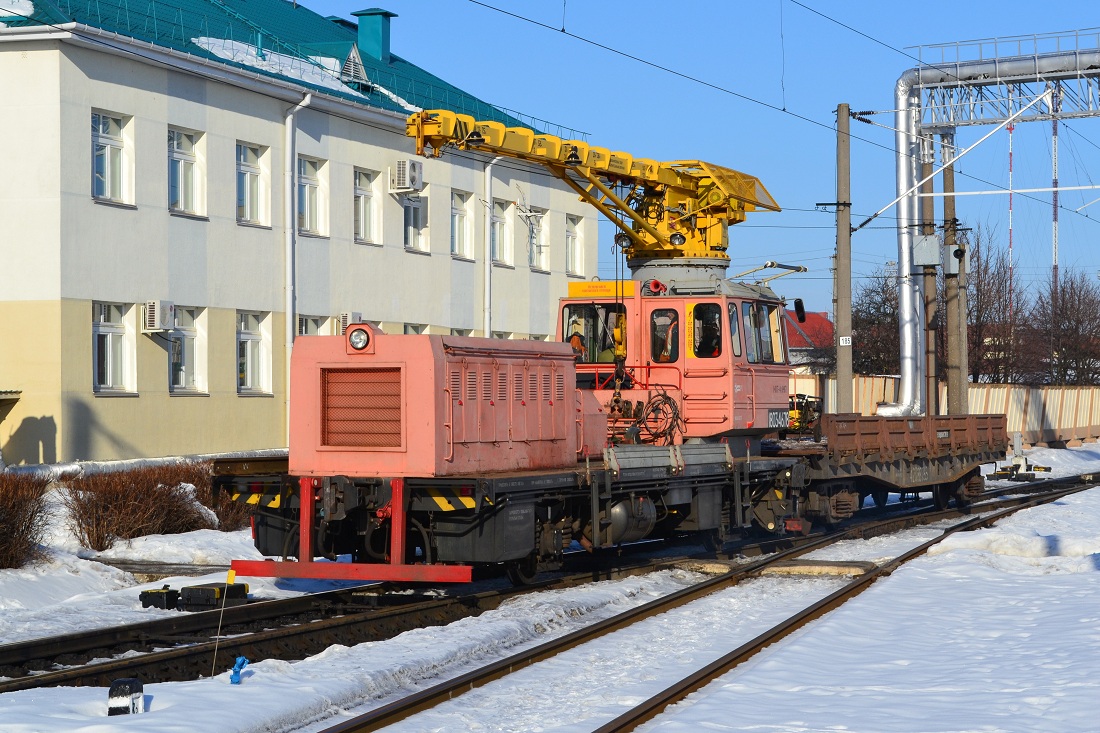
point(170, 664)
point(404, 708)
point(301, 637)
point(433, 696)
point(190, 627)
point(652, 707)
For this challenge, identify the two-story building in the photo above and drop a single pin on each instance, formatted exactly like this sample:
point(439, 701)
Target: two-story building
point(189, 186)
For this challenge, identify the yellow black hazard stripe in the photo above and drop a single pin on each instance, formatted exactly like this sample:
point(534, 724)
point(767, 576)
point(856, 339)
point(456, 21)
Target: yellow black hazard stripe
point(268, 501)
point(449, 500)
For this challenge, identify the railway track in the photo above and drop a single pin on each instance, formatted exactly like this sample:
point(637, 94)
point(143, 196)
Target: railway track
point(188, 646)
point(656, 704)
point(183, 646)
point(991, 511)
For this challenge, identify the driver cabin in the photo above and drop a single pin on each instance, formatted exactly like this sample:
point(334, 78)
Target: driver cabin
point(720, 356)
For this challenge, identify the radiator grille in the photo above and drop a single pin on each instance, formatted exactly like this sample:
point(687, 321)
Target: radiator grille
point(361, 408)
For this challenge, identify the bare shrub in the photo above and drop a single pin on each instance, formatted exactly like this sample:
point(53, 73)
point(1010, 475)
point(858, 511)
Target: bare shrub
point(232, 515)
point(107, 507)
point(23, 516)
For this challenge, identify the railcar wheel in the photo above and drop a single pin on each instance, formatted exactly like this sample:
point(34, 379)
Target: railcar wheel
point(523, 572)
point(712, 540)
point(941, 496)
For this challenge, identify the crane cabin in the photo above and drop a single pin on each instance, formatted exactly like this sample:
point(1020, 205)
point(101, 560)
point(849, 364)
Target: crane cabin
point(677, 366)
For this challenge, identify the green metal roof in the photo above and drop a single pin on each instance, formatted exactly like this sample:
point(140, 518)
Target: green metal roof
point(287, 29)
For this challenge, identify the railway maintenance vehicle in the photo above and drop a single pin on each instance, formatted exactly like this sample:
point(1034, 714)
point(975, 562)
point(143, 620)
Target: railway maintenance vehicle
point(423, 457)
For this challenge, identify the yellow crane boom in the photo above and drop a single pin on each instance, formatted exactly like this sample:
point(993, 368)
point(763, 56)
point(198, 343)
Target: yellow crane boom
point(675, 210)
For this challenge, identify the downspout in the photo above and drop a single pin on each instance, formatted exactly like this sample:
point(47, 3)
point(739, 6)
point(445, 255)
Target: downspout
point(290, 208)
point(487, 318)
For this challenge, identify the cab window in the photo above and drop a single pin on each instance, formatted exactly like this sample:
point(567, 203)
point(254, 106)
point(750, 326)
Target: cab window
point(774, 326)
point(735, 336)
point(707, 330)
point(752, 334)
point(596, 331)
point(664, 335)
point(763, 333)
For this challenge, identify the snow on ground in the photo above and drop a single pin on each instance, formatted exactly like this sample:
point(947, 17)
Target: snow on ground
point(1017, 647)
point(1017, 604)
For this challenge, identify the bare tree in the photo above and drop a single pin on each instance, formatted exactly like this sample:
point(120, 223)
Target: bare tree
point(997, 351)
point(875, 341)
point(1066, 329)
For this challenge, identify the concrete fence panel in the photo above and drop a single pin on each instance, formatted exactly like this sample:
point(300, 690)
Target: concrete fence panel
point(1040, 414)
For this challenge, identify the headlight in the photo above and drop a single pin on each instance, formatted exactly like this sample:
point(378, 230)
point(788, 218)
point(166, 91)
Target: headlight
point(359, 338)
point(677, 239)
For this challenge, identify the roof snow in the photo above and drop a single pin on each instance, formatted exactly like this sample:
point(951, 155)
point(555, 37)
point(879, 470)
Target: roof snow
point(19, 8)
point(322, 71)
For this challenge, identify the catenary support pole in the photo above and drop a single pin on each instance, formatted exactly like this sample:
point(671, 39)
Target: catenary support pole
point(928, 228)
point(842, 302)
point(954, 297)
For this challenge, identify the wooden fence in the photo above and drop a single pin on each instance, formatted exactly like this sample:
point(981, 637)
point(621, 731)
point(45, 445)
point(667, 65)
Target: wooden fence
point(1040, 414)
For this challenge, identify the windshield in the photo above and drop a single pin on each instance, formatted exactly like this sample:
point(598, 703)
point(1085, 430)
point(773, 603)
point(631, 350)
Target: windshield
point(596, 331)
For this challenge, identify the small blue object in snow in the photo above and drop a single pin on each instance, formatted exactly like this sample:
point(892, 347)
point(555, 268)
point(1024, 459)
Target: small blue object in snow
point(235, 675)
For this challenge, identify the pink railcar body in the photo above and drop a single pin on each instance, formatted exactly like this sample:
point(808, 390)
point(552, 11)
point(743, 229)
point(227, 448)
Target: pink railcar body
point(434, 406)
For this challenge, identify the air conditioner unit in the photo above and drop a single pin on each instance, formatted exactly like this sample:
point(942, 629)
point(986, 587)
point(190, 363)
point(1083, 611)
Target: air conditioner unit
point(159, 315)
point(346, 319)
point(407, 176)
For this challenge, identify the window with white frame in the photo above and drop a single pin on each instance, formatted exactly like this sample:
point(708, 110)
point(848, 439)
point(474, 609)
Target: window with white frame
point(314, 326)
point(110, 163)
point(187, 352)
point(461, 331)
point(538, 337)
point(412, 329)
point(250, 183)
point(183, 177)
point(574, 257)
point(460, 224)
point(310, 203)
point(253, 353)
point(537, 255)
point(502, 335)
point(112, 348)
point(363, 222)
point(415, 209)
point(499, 244)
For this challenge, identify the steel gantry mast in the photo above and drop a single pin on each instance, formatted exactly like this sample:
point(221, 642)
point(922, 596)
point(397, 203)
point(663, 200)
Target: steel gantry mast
point(943, 94)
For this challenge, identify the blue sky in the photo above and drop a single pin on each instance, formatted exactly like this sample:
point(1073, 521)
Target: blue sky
point(783, 55)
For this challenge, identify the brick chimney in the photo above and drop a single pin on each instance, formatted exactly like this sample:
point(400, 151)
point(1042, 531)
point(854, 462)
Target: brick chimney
point(374, 33)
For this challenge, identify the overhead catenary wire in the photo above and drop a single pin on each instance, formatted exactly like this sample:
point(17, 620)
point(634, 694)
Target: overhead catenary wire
point(133, 52)
point(745, 97)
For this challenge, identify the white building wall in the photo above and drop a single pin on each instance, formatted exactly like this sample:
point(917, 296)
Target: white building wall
point(29, 196)
point(62, 249)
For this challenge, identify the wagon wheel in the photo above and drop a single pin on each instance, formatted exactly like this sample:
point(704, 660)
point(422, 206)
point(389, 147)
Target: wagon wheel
point(712, 539)
point(941, 496)
point(962, 501)
point(523, 571)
